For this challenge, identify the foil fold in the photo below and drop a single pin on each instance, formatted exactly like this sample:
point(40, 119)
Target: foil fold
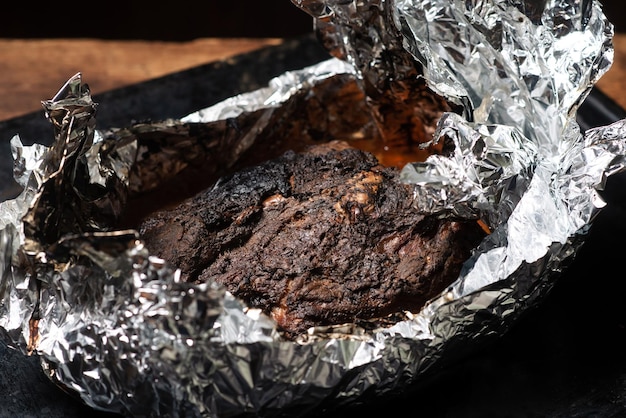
point(117, 326)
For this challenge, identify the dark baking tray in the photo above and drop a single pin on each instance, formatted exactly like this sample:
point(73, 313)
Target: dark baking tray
point(565, 358)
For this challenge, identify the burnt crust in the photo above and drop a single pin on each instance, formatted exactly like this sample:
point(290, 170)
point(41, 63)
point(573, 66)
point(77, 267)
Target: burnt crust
point(323, 237)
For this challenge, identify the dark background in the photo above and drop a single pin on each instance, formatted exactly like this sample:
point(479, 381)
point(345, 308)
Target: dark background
point(150, 20)
point(174, 21)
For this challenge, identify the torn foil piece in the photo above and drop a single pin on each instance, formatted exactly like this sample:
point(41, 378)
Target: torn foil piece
point(118, 327)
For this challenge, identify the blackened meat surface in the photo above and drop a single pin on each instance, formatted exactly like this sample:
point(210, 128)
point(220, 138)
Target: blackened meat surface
point(324, 237)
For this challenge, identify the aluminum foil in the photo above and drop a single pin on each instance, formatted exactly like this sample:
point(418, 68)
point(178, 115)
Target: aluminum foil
point(116, 325)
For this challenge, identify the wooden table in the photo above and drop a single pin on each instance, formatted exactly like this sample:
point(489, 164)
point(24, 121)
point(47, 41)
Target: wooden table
point(34, 70)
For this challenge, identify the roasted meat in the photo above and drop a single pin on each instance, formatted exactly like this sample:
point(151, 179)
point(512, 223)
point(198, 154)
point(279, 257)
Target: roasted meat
point(327, 236)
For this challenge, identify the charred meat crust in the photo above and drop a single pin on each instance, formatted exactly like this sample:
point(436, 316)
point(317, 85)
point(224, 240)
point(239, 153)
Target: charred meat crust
point(324, 237)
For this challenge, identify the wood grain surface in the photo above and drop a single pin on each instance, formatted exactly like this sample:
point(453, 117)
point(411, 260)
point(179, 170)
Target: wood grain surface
point(34, 70)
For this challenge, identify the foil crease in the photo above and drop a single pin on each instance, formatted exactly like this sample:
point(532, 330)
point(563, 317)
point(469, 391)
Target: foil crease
point(117, 326)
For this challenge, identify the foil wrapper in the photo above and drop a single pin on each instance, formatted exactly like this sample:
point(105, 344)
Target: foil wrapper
point(118, 327)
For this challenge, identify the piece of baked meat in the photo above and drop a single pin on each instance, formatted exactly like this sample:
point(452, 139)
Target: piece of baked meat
point(324, 237)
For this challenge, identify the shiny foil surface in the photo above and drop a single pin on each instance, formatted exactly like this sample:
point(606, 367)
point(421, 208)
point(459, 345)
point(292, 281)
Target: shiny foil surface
point(118, 327)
